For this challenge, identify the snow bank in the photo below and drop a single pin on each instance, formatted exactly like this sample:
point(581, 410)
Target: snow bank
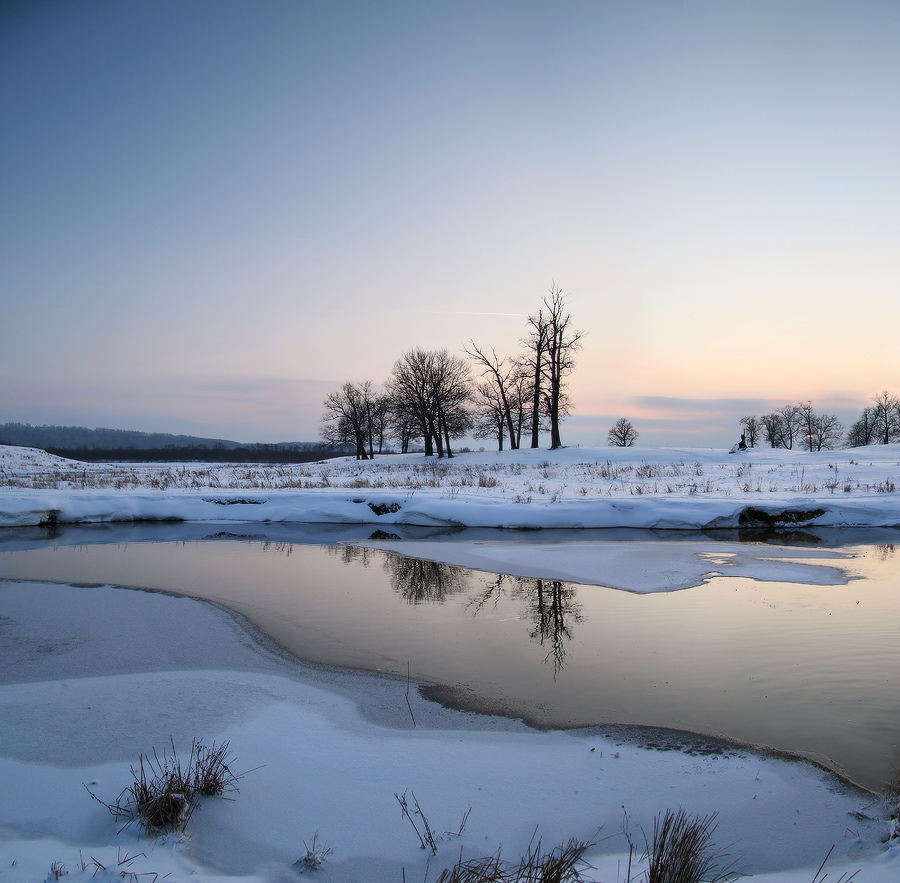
point(433, 508)
point(571, 488)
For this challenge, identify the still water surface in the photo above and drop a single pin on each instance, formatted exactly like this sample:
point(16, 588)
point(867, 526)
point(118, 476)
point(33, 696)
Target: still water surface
point(808, 669)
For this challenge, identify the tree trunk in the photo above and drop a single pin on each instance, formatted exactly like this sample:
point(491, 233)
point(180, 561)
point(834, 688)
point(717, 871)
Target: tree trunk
point(536, 406)
point(555, 439)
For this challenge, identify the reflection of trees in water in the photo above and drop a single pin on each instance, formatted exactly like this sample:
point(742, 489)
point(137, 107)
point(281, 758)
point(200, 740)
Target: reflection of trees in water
point(491, 591)
point(418, 581)
point(351, 554)
point(281, 548)
point(414, 580)
point(551, 605)
point(885, 551)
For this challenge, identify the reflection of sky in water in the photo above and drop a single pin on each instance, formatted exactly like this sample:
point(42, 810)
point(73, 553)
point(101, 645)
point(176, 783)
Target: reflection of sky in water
point(805, 668)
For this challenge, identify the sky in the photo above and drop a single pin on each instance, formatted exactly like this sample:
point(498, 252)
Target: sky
point(212, 214)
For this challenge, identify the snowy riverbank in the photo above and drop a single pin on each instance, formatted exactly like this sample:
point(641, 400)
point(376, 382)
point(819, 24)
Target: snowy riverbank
point(679, 489)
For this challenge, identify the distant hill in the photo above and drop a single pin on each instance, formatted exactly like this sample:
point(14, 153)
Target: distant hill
point(29, 436)
point(81, 443)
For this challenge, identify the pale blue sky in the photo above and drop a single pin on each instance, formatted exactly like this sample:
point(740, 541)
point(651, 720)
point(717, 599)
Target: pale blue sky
point(213, 213)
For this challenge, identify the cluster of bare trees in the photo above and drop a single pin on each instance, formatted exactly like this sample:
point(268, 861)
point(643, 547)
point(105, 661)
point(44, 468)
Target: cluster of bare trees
point(425, 398)
point(794, 425)
point(799, 425)
point(432, 398)
point(526, 392)
point(879, 423)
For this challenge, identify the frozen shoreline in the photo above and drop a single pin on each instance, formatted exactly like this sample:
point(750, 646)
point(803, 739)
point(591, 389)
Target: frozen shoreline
point(336, 746)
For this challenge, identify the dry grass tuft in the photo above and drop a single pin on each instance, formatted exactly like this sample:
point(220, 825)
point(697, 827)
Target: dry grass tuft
point(683, 852)
point(164, 794)
point(563, 864)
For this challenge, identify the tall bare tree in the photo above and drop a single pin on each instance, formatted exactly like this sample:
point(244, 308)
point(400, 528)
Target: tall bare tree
point(783, 426)
point(452, 393)
point(536, 343)
point(553, 345)
point(521, 397)
point(805, 419)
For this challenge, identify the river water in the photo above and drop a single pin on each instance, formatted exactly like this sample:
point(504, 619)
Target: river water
point(808, 669)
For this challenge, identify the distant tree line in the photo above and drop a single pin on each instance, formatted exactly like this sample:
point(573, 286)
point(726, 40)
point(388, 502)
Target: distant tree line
point(80, 437)
point(800, 426)
point(431, 396)
point(121, 445)
point(252, 453)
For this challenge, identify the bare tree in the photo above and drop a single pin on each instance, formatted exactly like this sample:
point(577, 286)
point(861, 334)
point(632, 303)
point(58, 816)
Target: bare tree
point(500, 374)
point(805, 420)
point(791, 424)
point(379, 417)
point(752, 428)
point(410, 392)
point(887, 417)
point(772, 428)
point(490, 416)
point(827, 432)
point(350, 418)
point(562, 343)
point(819, 431)
point(782, 426)
point(452, 394)
point(622, 434)
point(521, 398)
point(536, 344)
point(432, 389)
point(864, 431)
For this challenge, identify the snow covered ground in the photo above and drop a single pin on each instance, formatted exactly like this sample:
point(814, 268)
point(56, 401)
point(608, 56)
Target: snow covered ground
point(83, 695)
point(326, 752)
point(527, 489)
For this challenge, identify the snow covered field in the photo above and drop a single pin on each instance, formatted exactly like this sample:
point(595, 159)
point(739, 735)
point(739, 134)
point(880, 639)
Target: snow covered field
point(571, 487)
point(84, 694)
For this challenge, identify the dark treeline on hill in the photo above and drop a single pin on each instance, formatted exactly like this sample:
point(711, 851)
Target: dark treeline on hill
point(95, 445)
point(71, 437)
point(257, 453)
